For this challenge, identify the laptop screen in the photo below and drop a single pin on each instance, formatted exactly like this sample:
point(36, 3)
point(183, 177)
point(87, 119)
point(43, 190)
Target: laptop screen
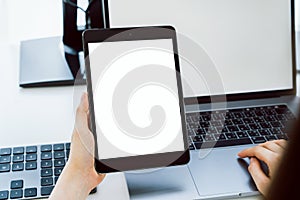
point(248, 42)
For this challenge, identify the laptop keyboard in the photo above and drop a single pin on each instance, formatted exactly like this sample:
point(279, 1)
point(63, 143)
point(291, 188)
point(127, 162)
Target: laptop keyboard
point(31, 171)
point(251, 125)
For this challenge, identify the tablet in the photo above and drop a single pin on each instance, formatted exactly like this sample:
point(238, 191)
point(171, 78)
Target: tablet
point(135, 98)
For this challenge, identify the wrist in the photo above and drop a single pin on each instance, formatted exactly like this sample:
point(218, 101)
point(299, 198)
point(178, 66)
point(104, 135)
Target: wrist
point(71, 185)
point(79, 178)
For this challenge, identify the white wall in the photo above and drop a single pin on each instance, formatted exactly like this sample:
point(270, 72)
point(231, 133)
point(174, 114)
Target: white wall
point(32, 19)
point(297, 6)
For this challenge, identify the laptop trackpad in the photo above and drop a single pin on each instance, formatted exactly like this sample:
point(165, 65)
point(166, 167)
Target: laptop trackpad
point(221, 173)
point(167, 183)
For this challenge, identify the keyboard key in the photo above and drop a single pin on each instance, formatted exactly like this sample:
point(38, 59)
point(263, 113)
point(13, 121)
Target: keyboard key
point(281, 110)
point(16, 184)
point(259, 119)
point(191, 147)
point(30, 165)
point(241, 134)
point(56, 179)
point(190, 132)
point(17, 167)
point(16, 194)
point(231, 136)
point(4, 168)
point(46, 163)
point(209, 138)
point(222, 143)
point(68, 146)
point(46, 155)
point(253, 133)
point(67, 153)
point(45, 191)
point(211, 130)
point(243, 127)
point(206, 118)
point(224, 130)
point(3, 194)
point(275, 131)
point(18, 150)
point(232, 128)
point(31, 157)
point(31, 149)
point(249, 114)
point(271, 118)
point(46, 181)
point(46, 172)
point(281, 137)
point(257, 140)
point(4, 159)
point(248, 120)
point(46, 148)
point(263, 132)
point(281, 118)
point(200, 131)
point(59, 154)
point(198, 138)
point(59, 163)
point(57, 171)
point(5, 151)
point(254, 126)
point(265, 125)
point(218, 116)
point(276, 124)
point(228, 122)
point(30, 192)
point(220, 136)
point(259, 113)
point(270, 111)
point(238, 115)
point(237, 121)
point(216, 123)
point(270, 137)
point(229, 115)
point(18, 158)
point(58, 147)
point(204, 124)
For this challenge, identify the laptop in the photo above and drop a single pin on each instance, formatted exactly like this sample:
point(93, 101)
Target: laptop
point(239, 73)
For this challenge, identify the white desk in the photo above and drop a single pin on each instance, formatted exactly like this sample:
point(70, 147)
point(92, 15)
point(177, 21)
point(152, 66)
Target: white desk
point(38, 115)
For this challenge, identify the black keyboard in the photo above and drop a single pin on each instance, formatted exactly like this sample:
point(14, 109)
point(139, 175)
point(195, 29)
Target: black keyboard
point(231, 127)
point(31, 171)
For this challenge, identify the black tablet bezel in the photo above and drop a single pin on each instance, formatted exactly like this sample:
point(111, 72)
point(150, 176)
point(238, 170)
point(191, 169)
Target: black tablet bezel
point(143, 161)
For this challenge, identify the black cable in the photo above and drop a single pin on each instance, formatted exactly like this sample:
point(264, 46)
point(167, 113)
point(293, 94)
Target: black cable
point(75, 5)
point(87, 16)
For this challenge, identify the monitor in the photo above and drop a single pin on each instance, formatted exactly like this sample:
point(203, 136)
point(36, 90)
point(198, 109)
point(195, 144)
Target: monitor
point(249, 42)
point(58, 61)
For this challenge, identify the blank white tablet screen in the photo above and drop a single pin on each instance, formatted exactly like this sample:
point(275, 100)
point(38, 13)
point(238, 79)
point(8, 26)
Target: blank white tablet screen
point(130, 98)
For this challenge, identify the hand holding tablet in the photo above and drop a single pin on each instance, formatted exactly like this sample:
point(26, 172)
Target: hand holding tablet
point(135, 96)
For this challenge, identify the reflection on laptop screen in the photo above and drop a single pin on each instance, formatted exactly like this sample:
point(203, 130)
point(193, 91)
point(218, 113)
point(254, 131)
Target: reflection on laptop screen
point(249, 41)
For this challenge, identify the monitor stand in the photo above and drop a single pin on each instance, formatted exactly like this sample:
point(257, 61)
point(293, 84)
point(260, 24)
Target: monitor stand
point(43, 63)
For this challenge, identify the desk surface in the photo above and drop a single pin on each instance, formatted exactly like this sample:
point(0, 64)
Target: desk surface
point(39, 115)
